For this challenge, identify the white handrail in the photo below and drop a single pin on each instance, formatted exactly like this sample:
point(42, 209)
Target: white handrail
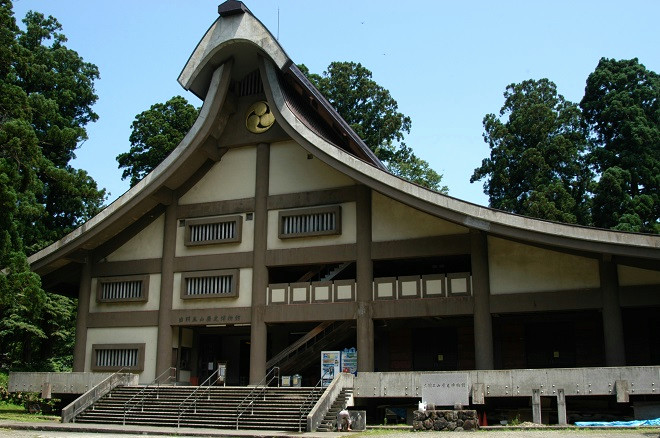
point(182, 410)
point(263, 384)
point(128, 409)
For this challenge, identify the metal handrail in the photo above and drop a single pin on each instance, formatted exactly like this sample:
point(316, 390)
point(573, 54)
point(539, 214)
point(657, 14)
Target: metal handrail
point(207, 384)
point(128, 409)
point(107, 379)
point(310, 397)
point(262, 385)
point(298, 344)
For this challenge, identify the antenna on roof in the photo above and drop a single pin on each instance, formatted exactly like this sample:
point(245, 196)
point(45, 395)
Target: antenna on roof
point(278, 23)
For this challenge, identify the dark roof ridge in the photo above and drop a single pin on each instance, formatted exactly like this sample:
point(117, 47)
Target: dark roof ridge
point(232, 7)
point(304, 81)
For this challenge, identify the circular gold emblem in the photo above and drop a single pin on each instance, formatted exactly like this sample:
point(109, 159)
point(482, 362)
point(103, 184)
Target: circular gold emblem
point(259, 118)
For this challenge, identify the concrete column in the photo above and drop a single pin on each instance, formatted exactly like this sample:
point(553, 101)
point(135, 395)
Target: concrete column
point(561, 408)
point(164, 342)
point(615, 352)
point(483, 324)
point(84, 292)
point(258, 331)
point(536, 406)
point(365, 278)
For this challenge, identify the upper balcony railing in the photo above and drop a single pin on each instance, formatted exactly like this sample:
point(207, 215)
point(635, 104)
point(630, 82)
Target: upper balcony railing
point(454, 284)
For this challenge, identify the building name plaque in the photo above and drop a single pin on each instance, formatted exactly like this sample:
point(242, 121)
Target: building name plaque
point(210, 319)
point(445, 389)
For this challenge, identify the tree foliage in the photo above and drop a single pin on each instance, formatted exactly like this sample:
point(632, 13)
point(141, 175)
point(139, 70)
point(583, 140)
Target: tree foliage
point(155, 133)
point(373, 114)
point(46, 98)
point(621, 108)
point(596, 164)
point(536, 165)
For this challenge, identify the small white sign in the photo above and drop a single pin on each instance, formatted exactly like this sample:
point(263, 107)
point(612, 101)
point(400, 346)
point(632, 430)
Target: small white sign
point(445, 389)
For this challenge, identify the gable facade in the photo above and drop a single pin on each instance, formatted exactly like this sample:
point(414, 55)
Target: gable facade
point(271, 218)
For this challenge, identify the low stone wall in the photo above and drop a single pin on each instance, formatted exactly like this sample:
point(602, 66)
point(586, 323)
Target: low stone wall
point(445, 420)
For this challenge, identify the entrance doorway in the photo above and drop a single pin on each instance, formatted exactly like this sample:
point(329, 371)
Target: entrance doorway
point(213, 347)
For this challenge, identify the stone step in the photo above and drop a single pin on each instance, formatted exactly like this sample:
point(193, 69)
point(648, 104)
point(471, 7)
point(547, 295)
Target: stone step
point(177, 402)
point(188, 418)
point(216, 407)
point(191, 419)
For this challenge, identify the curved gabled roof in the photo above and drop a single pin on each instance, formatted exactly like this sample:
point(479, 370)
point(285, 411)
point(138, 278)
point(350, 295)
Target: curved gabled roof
point(236, 44)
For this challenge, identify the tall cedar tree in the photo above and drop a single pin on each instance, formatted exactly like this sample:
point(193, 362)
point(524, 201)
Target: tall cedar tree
point(621, 107)
point(155, 133)
point(536, 166)
point(373, 114)
point(46, 94)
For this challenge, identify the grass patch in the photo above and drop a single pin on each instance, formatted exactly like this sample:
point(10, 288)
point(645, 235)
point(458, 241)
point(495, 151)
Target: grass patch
point(12, 412)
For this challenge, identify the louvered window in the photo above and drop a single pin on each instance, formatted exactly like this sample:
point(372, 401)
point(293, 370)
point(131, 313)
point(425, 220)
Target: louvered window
point(213, 230)
point(251, 84)
point(113, 357)
point(120, 289)
point(310, 222)
point(210, 284)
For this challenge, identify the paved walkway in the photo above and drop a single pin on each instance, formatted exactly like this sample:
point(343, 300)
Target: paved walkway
point(57, 430)
point(117, 429)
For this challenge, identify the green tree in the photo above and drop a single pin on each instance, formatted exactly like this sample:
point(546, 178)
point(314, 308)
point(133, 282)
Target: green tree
point(46, 94)
point(373, 114)
point(155, 133)
point(536, 165)
point(621, 107)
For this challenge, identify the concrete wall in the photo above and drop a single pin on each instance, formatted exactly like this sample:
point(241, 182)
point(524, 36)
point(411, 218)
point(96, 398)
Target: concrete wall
point(152, 303)
point(629, 276)
point(233, 177)
point(126, 335)
point(147, 244)
point(244, 298)
point(517, 268)
point(392, 220)
point(348, 231)
point(245, 245)
point(292, 172)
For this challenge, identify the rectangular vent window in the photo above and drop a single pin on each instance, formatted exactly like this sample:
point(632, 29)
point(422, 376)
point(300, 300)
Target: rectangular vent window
point(121, 290)
point(216, 231)
point(117, 358)
point(221, 284)
point(212, 230)
point(310, 222)
point(209, 284)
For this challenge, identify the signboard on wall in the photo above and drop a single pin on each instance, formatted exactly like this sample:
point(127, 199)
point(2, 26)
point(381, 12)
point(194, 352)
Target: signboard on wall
point(349, 361)
point(330, 362)
point(445, 389)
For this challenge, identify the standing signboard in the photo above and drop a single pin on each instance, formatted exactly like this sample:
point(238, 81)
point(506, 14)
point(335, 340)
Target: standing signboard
point(330, 366)
point(445, 389)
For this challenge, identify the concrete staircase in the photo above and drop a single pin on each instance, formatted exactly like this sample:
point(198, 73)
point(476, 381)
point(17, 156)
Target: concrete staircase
point(329, 422)
point(276, 409)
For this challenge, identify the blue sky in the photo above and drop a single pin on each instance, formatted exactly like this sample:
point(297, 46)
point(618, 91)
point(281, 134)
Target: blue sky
point(447, 63)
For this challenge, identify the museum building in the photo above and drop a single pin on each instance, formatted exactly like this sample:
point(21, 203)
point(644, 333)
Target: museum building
point(272, 233)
